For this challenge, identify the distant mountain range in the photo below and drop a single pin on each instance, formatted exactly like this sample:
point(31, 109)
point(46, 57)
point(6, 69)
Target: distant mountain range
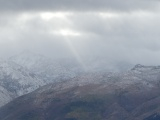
point(27, 71)
point(46, 68)
point(130, 95)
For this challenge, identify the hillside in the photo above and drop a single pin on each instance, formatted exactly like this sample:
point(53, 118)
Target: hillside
point(133, 95)
point(15, 81)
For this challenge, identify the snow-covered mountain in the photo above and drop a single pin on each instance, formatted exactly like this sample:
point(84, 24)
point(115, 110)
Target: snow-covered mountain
point(47, 69)
point(5, 96)
point(27, 71)
point(131, 95)
point(16, 80)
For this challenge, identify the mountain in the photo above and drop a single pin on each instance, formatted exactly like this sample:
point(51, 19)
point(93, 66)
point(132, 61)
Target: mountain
point(25, 72)
point(16, 81)
point(50, 70)
point(131, 95)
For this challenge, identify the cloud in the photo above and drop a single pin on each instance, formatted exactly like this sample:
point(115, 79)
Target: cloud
point(108, 32)
point(77, 5)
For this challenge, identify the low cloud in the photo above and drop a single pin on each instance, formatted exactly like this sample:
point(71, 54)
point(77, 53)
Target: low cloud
point(111, 32)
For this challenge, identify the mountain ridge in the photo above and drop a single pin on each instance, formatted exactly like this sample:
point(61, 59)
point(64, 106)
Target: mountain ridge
point(116, 102)
point(20, 77)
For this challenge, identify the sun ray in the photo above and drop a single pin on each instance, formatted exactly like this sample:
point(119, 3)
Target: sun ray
point(76, 54)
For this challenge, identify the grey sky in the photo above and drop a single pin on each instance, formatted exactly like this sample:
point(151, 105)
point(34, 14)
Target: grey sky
point(79, 5)
point(110, 30)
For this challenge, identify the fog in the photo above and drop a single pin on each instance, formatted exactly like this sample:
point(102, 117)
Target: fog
point(113, 33)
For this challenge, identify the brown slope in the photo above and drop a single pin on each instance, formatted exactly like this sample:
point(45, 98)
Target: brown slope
point(91, 101)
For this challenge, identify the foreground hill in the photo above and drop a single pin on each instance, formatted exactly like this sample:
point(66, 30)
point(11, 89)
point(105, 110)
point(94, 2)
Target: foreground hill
point(133, 95)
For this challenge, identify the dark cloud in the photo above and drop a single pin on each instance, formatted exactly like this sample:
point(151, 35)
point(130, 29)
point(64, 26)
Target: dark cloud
point(77, 5)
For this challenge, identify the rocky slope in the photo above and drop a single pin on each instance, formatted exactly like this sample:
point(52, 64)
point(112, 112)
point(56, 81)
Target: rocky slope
point(132, 95)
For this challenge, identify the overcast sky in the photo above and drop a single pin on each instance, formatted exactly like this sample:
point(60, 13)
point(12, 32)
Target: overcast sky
point(114, 31)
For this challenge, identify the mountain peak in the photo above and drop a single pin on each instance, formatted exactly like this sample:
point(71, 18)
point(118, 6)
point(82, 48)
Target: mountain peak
point(28, 59)
point(140, 67)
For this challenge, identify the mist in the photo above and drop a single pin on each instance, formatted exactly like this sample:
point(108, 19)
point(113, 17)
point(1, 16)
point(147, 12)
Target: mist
point(114, 34)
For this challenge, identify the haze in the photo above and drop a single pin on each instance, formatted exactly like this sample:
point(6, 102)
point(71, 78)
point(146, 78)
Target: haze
point(114, 33)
